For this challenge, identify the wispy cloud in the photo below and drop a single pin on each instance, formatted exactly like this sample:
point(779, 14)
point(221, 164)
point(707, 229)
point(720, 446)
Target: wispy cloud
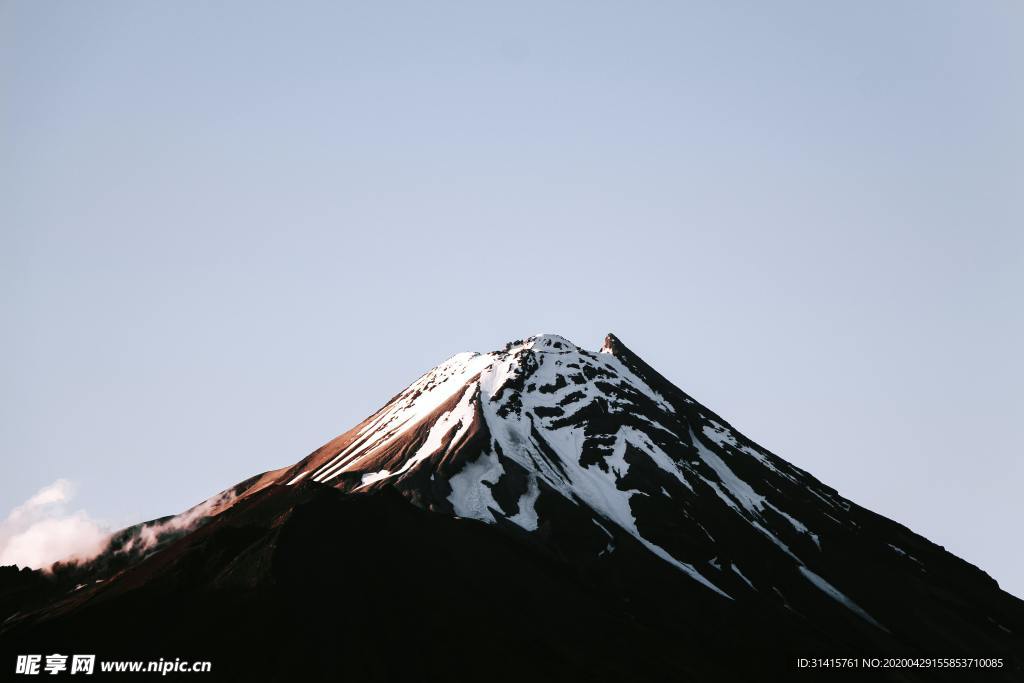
point(42, 530)
point(150, 535)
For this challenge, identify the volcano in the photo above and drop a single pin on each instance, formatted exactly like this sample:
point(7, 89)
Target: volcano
point(542, 512)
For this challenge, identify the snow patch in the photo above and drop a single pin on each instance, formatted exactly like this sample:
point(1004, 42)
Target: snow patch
point(527, 515)
point(470, 496)
point(834, 593)
point(460, 418)
point(408, 409)
point(741, 575)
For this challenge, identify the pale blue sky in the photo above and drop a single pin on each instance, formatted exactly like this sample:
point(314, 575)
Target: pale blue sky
point(230, 230)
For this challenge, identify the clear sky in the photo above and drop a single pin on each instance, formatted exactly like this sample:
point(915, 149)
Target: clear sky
point(231, 230)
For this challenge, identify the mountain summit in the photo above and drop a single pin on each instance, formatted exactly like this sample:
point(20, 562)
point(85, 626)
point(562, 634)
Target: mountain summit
point(548, 436)
point(597, 483)
point(543, 434)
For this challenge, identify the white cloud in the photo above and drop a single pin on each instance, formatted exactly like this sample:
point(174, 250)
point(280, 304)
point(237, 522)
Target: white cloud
point(42, 531)
point(57, 492)
point(149, 535)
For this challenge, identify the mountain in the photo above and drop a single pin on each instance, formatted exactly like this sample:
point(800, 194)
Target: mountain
point(541, 511)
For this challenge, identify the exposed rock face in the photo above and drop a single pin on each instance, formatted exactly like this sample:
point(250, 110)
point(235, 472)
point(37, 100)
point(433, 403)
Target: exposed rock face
point(628, 533)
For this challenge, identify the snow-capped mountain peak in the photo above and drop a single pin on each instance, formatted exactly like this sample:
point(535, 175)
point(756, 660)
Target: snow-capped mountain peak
point(542, 432)
point(577, 481)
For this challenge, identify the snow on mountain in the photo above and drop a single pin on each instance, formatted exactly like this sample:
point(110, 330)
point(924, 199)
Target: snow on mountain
point(515, 435)
point(546, 482)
